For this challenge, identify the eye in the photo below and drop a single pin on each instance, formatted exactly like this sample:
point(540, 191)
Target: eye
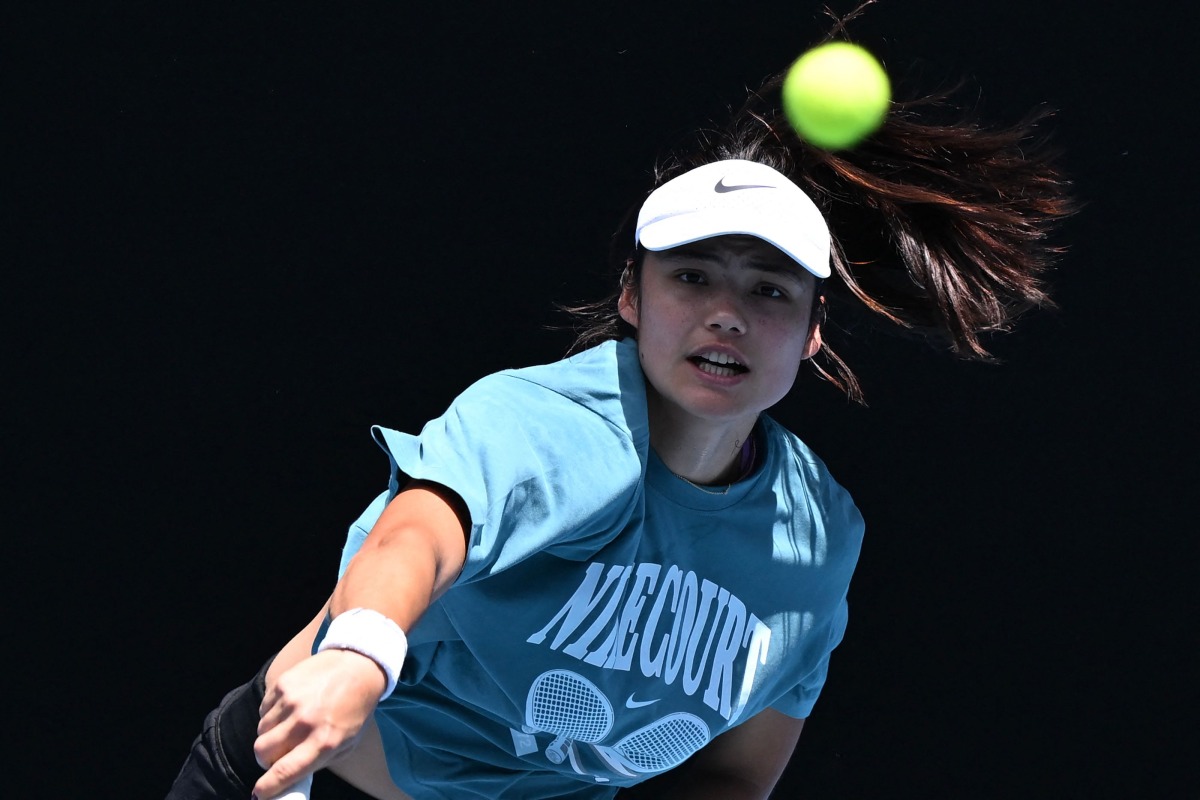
point(773, 292)
point(690, 276)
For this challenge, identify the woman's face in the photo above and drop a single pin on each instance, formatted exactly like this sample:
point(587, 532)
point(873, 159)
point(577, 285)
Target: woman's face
point(723, 325)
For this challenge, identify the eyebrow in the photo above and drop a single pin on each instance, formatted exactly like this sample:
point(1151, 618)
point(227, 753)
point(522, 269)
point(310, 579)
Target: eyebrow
point(777, 266)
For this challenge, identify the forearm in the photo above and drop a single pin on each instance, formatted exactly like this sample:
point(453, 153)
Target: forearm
point(317, 707)
point(695, 785)
point(412, 555)
point(397, 575)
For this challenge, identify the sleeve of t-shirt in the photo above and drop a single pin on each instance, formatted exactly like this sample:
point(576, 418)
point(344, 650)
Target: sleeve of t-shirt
point(536, 470)
point(360, 528)
point(798, 702)
point(844, 528)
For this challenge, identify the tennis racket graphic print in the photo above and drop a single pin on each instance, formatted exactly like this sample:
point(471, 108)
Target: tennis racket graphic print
point(575, 710)
point(663, 744)
point(571, 707)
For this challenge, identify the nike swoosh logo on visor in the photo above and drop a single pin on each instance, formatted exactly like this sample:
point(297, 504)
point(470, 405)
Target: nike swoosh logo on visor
point(724, 187)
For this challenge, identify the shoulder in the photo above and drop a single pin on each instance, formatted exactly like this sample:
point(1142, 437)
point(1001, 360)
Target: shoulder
point(798, 459)
point(595, 396)
point(815, 495)
point(605, 381)
point(798, 454)
point(535, 452)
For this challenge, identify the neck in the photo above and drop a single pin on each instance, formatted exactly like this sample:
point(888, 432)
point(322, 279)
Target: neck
point(702, 451)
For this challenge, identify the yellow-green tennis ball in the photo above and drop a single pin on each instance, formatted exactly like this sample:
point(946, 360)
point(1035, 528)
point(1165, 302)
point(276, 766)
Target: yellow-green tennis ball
point(836, 95)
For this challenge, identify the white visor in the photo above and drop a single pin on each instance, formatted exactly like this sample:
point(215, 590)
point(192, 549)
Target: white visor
point(736, 197)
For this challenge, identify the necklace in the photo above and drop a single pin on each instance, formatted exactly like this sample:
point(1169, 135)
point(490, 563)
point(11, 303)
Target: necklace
point(748, 457)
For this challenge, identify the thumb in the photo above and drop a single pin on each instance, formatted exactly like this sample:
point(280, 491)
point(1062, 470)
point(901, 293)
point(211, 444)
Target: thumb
point(284, 782)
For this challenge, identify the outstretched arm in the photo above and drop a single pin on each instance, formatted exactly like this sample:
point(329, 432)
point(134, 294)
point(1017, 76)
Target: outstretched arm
point(316, 708)
point(414, 552)
point(742, 764)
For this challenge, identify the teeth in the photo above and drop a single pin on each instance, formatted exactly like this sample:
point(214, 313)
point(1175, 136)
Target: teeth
point(719, 358)
point(713, 369)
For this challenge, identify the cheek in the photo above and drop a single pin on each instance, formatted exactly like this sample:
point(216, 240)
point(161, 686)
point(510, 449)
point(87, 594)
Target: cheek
point(655, 319)
point(660, 337)
point(784, 374)
point(790, 349)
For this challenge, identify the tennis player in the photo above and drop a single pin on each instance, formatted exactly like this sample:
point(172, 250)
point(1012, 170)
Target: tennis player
point(616, 575)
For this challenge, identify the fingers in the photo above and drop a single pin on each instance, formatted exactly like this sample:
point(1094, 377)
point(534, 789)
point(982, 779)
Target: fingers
point(313, 713)
point(290, 748)
point(270, 717)
point(279, 729)
point(276, 741)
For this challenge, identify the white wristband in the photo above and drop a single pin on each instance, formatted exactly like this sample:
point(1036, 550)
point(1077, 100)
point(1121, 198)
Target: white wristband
point(374, 636)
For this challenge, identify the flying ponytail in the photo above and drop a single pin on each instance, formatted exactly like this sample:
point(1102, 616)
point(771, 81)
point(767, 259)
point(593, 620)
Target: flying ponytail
point(941, 225)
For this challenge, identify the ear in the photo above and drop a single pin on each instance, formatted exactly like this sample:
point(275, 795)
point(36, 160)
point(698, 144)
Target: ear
point(627, 304)
point(813, 345)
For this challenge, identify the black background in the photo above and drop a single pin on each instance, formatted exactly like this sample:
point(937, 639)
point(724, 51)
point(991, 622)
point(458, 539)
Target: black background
point(238, 234)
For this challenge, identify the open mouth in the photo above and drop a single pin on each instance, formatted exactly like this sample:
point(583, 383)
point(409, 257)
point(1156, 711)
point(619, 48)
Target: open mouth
point(718, 364)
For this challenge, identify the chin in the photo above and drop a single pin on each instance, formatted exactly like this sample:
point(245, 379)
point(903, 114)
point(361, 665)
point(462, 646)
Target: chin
point(717, 409)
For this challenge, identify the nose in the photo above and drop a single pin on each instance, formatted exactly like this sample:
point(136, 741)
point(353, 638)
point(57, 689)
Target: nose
point(725, 314)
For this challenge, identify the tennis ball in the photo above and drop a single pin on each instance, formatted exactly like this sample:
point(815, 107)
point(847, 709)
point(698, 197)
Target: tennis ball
point(836, 95)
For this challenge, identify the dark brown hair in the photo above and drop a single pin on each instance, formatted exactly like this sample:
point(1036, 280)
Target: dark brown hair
point(940, 224)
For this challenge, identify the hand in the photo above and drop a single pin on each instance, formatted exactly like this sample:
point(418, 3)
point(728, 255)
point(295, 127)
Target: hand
point(314, 713)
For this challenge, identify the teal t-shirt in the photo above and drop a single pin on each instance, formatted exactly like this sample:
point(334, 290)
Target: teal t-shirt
point(611, 618)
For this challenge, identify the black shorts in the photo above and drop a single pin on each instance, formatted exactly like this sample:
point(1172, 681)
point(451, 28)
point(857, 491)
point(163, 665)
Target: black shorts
point(221, 764)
